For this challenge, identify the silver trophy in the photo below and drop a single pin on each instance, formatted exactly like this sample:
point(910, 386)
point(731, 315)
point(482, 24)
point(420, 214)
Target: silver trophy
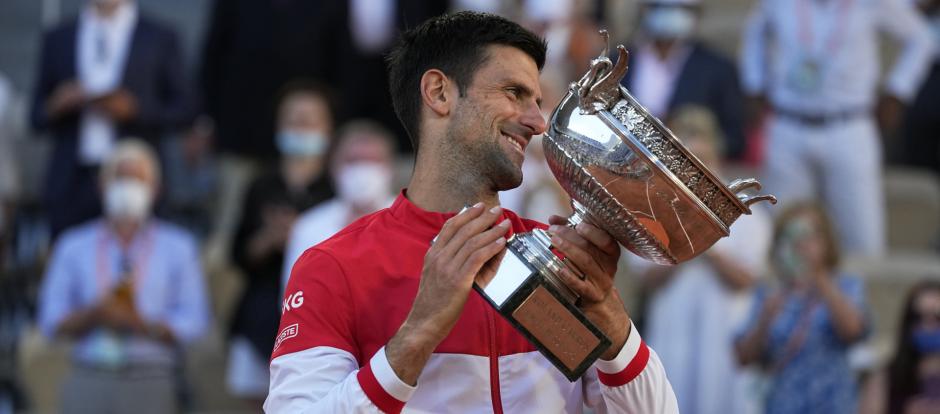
point(627, 174)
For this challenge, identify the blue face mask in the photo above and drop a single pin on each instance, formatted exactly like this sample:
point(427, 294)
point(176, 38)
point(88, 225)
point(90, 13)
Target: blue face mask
point(926, 341)
point(298, 143)
point(670, 22)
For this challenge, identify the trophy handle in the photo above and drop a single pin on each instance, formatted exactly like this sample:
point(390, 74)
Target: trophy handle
point(742, 184)
point(599, 89)
point(748, 200)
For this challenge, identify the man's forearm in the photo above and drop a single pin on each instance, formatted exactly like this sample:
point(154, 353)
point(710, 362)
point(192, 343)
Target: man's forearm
point(78, 323)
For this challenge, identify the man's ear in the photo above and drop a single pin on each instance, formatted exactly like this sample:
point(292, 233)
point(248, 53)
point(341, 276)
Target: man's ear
point(437, 92)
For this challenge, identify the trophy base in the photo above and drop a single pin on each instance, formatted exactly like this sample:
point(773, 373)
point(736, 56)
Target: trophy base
point(527, 292)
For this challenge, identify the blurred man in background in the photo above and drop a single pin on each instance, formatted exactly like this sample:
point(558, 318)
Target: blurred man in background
point(695, 309)
point(275, 198)
point(921, 129)
point(363, 171)
point(815, 63)
point(109, 73)
point(129, 290)
point(670, 67)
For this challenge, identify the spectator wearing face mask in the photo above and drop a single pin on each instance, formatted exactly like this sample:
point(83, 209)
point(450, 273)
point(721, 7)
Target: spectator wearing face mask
point(670, 67)
point(305, 127)
point(914, 375)
point(363, 169)
point(800, 331)
point(128, 290)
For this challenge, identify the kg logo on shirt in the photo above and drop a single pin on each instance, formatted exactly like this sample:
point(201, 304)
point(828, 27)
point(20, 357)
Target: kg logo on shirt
point(293, 301)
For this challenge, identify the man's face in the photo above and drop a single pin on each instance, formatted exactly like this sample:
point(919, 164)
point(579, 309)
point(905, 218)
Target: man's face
point(363, 149)
point(305, 112)
point(136, 170)
point(493, 123)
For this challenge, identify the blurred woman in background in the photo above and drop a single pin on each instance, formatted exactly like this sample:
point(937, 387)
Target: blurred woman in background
point(914, 383)
point(298, 182)
point(801, 330)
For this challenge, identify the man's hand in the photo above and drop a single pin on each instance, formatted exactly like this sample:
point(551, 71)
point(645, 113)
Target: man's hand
point(120, 105)
point(455, 260)
point(595, 253)
point(890, 113)
point(66, 98)
point(118, 315)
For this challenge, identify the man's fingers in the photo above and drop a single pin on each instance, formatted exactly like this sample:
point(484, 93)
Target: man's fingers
point(592, 233)
point(481, 256)
point(483, 241)
point(585, 255)
point(558, 220)
point(583, 288)
point(468, 230)
point(599, 238)
point(455, 223)
point(488, 271)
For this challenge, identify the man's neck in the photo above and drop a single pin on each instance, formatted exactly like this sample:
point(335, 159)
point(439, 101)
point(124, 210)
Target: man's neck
point(125, 230)
point(663, 48)
point(106, 11)
point(440, 188)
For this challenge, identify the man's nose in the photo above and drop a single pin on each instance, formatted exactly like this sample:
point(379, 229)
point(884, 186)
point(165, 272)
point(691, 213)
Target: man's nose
point(532, 119)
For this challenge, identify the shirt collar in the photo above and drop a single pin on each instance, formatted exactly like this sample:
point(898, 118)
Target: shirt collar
point(144, 233)
point(428, 223)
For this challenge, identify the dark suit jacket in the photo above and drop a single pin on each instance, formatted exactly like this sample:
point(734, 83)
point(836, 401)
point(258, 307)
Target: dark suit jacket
point(711, 80)
point(153, 73)
point(252, 48)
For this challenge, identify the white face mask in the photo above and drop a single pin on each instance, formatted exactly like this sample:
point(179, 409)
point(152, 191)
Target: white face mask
point(364, 183)
point(669, 22)
point(127, 198)
point(300, 143)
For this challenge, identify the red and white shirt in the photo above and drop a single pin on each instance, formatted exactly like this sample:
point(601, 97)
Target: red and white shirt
point(348, 296)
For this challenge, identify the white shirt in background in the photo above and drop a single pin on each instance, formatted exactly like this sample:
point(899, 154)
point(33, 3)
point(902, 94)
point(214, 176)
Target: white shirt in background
point(372, 23)
point(655, 80)
point(102, 49)
point(842, 36)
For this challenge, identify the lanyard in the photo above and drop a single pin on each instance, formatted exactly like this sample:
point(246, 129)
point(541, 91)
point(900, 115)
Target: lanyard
point(835, 34)
point(138, 267)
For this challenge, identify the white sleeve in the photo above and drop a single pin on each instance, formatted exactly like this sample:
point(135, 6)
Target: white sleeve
point(328, 380)
point(754, 61)
point(633, 382)
point(907, 26)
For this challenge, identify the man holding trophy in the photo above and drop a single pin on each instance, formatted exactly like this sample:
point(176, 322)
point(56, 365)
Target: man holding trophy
point(383, 316)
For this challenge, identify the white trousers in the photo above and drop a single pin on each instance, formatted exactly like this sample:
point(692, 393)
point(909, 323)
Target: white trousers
point(838, 164)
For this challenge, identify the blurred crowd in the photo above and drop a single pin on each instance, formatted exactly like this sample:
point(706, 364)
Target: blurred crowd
point(175, 196)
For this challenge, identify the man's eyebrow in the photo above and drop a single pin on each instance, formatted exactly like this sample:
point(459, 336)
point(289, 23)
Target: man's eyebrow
point(525, 90)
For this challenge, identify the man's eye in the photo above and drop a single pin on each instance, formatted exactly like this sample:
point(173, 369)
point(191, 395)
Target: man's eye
point(514, 92)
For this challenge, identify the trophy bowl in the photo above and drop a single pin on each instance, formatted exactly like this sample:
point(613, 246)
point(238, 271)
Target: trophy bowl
point(629, 174)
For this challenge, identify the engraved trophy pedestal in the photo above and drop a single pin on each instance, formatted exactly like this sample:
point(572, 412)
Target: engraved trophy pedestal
point(627, 174)
point(527, 290)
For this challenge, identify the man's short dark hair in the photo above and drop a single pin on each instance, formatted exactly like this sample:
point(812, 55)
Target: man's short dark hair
point(454, 44)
